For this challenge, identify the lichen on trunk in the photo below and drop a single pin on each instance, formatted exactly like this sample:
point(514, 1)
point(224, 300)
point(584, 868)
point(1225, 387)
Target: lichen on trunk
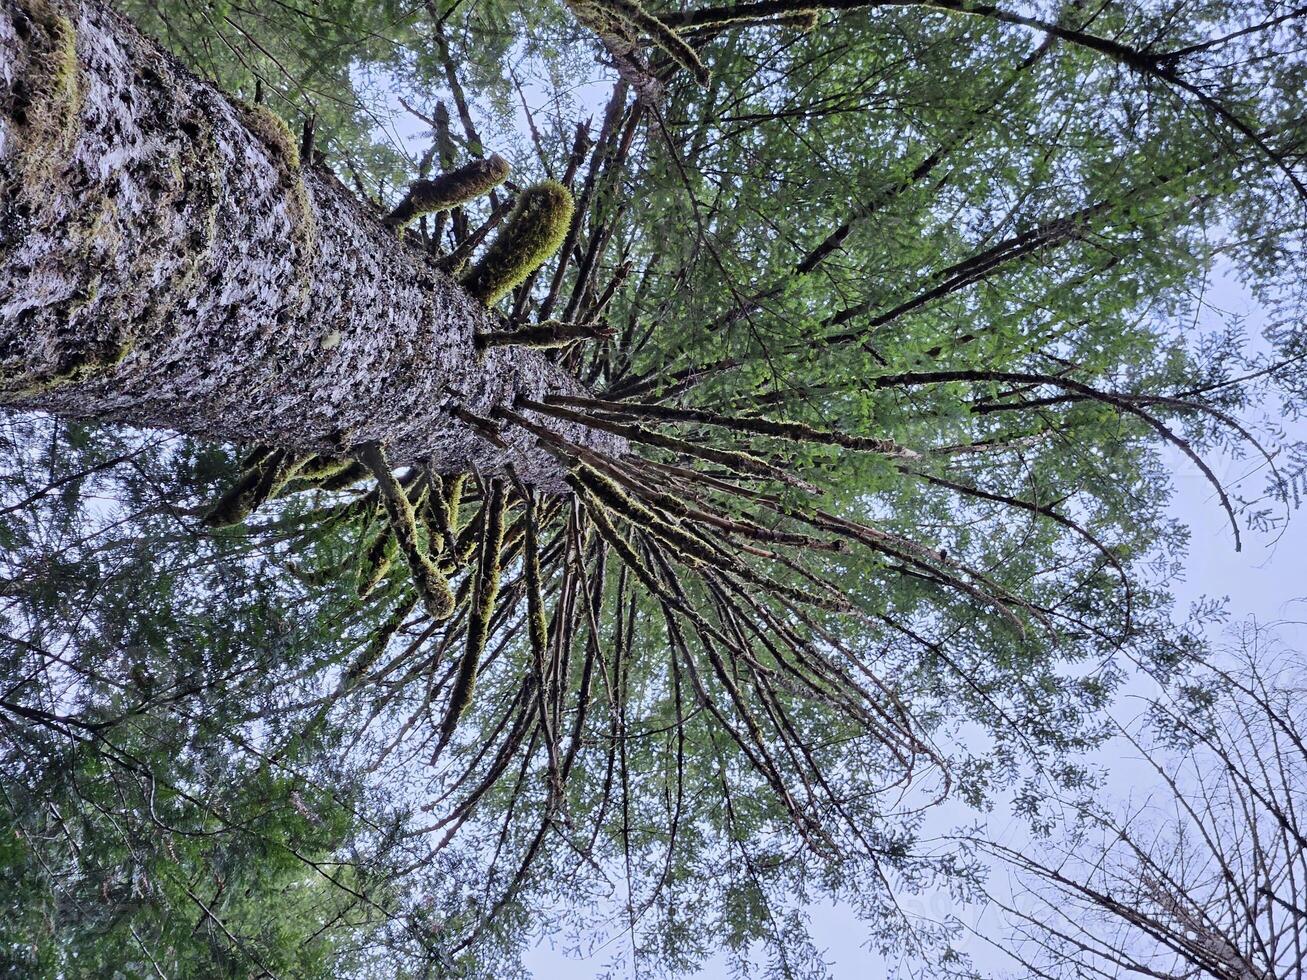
point(167, 261)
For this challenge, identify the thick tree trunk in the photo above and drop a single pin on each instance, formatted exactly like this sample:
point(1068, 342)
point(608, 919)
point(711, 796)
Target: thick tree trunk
point(165, 261)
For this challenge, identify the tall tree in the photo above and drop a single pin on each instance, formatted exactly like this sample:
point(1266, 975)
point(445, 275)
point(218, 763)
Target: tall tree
point(831, 432)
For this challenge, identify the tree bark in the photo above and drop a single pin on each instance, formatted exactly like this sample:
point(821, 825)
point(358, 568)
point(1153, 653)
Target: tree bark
point(166, 261)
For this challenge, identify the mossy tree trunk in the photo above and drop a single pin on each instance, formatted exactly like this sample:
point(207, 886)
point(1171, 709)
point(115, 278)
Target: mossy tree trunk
point(167, 260)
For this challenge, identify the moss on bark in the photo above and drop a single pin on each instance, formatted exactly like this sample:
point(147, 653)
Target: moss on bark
point(48, 93)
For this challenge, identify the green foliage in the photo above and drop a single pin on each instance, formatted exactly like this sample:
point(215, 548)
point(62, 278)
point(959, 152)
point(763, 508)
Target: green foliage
point(133, 791)
point(939, 268)
point(108, 867)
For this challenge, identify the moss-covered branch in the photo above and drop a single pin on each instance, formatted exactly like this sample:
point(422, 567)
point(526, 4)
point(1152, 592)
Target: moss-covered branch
point(441, 511)
point(630, 12)
point(533, 233)
point(448, 191)
point(483, 607)
point(257, 485)
point(431, 584)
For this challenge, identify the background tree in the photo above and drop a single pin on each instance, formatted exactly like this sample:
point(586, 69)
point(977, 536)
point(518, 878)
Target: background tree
point(1202, 878)
point(145, 828)
point(778, 505)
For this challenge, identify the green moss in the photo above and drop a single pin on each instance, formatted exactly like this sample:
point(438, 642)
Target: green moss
point(272, 131)
point(628, 19)
point(453, 486)
point(376, 566)
point(483, 608)
point(318, 471)
point(537, 622)
point(466, 544)
point(52, 97)
point(436, 515)
point(72, 369)
point(534, 231)
point(56, 75)
point(63, 85)
point(347, 477)
point(324, 466)
point(738, 17)
point(673, 45)
point(431, 584)
point(257, 485)
point(450, 190)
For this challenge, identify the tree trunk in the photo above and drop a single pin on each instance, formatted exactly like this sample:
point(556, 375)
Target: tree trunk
point(167, 261)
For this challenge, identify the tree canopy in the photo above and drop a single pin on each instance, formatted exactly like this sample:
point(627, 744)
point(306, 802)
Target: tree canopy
point(880, 320)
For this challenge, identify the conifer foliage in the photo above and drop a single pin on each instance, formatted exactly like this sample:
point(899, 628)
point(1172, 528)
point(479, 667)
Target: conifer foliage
point(862, 329)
